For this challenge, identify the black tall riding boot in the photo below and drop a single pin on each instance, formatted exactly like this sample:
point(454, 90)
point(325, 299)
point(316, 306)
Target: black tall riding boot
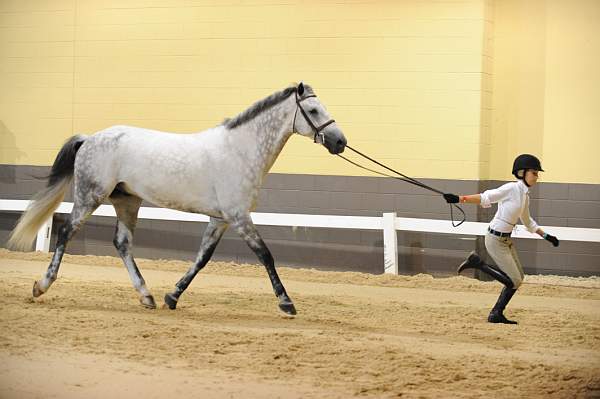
point(496, 315)
point(475, 262)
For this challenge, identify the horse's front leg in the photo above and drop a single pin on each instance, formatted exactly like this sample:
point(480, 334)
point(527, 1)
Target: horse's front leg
point(213, 233)
point(246, 229)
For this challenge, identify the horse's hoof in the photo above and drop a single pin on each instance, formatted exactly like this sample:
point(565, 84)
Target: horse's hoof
point(171, 301)
point(37, 291)
point(148, 302)
point(287, 308)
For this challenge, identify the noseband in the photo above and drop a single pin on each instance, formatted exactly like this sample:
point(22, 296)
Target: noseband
point(316, 129)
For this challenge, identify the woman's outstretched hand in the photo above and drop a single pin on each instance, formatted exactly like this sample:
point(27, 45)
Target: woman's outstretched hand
point(451, 198)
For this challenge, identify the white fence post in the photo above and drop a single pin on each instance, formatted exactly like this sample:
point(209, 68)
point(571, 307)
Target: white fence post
point(390, 244)
point(42, 243)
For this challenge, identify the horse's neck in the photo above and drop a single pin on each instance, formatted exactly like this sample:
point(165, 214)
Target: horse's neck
point(270, 131)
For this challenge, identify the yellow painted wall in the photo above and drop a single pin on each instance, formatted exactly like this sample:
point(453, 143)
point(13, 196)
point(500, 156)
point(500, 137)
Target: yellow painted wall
point(546, 87)
point(401, 77)
point(436, 89)
point(571, 118)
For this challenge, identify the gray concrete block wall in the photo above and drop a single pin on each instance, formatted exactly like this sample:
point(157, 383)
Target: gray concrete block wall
point(573, 205)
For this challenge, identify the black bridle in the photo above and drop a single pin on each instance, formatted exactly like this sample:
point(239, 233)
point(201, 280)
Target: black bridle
point(316, 129)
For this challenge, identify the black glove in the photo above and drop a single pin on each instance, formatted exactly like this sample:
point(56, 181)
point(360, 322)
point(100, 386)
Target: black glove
point(552, 239)
point(451, 198)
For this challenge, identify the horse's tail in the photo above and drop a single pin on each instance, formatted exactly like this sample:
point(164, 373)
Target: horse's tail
point(44, 203)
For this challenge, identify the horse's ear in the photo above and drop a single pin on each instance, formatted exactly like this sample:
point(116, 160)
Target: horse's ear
point(301, 89)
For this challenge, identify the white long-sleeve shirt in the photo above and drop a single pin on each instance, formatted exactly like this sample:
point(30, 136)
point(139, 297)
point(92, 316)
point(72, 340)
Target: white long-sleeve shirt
point(513, 203)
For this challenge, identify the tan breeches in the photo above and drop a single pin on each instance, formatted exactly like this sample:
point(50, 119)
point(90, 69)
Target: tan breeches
point(503, 252)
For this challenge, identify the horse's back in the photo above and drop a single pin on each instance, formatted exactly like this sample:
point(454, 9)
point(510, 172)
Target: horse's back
point(136, 135)
point(126, 142)
point(168, 169)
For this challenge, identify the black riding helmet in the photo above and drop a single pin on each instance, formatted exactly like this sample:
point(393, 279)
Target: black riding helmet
point(526, 161)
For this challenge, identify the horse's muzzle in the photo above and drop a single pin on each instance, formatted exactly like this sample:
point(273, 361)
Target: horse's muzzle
point(335, 142)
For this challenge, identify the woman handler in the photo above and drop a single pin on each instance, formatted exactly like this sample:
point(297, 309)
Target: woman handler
point(513, 203)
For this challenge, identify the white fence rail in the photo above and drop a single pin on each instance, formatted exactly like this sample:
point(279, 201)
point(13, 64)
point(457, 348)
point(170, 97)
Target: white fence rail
point(389, 223)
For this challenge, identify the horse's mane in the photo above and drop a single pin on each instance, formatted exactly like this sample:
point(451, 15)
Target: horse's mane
point(262, 105)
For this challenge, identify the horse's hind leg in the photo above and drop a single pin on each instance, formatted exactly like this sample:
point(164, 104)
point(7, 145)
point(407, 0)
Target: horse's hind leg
point(127, 207)
point(246, 229)
point(213, 233)
point(82, 209)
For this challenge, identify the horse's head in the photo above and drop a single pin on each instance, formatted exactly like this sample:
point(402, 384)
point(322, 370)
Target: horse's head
point(313, 120)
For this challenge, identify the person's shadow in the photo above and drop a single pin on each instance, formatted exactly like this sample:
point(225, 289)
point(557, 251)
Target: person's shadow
point(9, 155)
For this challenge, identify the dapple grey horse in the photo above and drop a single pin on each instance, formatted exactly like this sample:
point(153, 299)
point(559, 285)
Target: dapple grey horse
point(217, 172)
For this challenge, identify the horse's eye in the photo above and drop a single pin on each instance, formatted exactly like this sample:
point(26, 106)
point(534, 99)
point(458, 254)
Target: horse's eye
point(313, 111)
